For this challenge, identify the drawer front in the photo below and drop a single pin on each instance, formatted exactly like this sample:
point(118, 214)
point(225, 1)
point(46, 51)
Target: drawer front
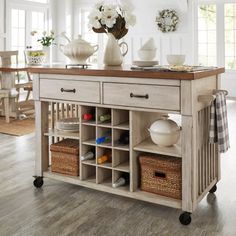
point(146, 96)
point(69, 90)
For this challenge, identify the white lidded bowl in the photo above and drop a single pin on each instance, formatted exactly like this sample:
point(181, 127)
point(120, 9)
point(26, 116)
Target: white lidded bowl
point(164, 132)
point(175, 60)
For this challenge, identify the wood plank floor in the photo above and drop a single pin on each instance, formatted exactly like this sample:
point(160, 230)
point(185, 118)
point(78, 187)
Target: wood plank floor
point(64, 209)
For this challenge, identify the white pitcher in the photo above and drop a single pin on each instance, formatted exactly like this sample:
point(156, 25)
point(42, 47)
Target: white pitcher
point(113, 55)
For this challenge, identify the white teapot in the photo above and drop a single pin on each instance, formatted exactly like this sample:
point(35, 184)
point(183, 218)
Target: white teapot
point(78, 50)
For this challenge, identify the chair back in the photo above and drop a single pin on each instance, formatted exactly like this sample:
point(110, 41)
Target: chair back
point(6, 57)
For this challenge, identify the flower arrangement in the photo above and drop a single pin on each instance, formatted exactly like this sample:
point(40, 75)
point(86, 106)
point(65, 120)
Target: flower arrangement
point(46, 39)
point(112, 18)
point(167, 20)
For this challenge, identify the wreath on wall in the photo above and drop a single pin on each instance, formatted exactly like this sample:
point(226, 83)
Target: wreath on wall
point(167, 20)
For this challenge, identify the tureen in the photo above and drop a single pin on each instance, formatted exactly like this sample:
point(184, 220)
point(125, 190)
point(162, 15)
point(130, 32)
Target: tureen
point(78, 50)
point(165, 132)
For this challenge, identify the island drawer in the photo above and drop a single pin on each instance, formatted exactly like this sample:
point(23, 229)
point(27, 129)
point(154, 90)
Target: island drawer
point(147, 96)
point(70, 90)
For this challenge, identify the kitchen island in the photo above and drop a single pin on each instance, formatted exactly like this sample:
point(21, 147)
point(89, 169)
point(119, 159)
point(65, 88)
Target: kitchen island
point(134, 99)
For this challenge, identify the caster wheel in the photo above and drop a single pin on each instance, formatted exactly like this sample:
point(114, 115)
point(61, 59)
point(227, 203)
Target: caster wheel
point(185, 218)
point(38, 182)
point(213, 190)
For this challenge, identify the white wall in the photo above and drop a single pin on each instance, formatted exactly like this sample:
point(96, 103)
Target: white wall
point(2, 26)
point(63, 23)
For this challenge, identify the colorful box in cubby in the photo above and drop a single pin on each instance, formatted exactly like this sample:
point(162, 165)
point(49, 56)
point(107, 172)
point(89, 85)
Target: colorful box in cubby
point(65, 157)
point(161, 175)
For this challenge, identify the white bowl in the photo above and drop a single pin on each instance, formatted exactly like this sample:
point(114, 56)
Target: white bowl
point(165, 140)
point(147, 55)
point(175, 60)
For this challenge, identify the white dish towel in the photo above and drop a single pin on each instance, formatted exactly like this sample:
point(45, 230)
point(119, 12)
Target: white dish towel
point(219, 132)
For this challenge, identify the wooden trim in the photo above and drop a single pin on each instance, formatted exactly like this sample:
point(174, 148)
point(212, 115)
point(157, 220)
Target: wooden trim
point(110, 72)
point(42, 155)
point(114, 72)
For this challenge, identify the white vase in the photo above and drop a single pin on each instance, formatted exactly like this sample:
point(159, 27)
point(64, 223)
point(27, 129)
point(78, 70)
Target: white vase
point(113, 55)
point(48, 58)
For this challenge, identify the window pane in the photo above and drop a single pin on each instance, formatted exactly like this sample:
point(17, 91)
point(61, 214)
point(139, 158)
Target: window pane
point(229, 49)
point(21, 19)
point(38, 24)
point(230, 36)
point(207, 50)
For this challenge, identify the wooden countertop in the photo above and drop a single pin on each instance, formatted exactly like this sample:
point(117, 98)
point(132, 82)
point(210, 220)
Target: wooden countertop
point(123, 71)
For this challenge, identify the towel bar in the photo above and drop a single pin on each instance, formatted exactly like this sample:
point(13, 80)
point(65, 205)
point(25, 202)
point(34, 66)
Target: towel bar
point(211, 97)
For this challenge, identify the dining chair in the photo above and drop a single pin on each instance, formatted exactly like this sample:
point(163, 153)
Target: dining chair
point(11, 85)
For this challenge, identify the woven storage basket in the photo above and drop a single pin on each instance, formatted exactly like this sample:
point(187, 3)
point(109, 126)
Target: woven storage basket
point(65, 157)
point(161, 175)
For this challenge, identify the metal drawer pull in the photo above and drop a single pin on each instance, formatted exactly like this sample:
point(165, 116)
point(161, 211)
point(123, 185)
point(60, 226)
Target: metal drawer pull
point(68, 90)
point(139, 96)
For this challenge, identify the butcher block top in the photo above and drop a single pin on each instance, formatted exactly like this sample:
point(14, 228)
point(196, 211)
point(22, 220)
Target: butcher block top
point(123, 71)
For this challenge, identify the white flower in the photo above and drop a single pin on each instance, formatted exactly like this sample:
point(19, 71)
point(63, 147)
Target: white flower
point(52, 32)
point(130, 20)
point(109, 16)
point(44, 33)
point(94, 18)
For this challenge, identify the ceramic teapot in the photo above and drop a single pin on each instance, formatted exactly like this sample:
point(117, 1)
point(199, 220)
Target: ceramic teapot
point(78, 50)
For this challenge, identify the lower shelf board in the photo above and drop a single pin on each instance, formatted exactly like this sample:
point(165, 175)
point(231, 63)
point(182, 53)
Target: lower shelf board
point(62, 134)
point(148, 146)
point(139, 195)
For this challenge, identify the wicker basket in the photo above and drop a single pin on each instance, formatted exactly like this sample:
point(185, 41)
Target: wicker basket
point(65, 157)
point(161, 175)
point(35, 57)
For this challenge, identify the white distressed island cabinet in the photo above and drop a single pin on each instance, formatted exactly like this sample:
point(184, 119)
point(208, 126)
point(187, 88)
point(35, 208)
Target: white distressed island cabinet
point(134, 99)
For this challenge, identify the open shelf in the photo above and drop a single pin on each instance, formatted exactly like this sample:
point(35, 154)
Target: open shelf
point(91, 179)
point(148, 146)
point(90, 142)
point(104, 124)
point(90, 162)
point(107, 165)
point(121, 161)
point(121, 147)
point(89, 123)
point(104, 177)
point(62, 134)
point(125, 167)
point(122, 126)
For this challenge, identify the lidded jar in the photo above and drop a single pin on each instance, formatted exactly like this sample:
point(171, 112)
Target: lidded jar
point(165, 132)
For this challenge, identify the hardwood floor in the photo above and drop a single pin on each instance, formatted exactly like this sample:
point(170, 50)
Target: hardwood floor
point(64, 209)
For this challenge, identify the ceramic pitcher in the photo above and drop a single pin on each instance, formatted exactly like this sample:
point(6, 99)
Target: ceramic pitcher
point(113, 55)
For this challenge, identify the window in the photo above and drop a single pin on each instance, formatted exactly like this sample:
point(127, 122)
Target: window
point(23, 17)
point(207, 35)
point(217, 33)
point(38, 24)
point(17, 29)
point(230, 36)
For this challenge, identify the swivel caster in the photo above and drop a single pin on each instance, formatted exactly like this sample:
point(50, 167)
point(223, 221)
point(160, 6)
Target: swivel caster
point(38, 182)
point(213, 190)
point(185, 218)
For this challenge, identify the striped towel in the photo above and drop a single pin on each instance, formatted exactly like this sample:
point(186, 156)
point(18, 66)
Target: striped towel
point(219, 132)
